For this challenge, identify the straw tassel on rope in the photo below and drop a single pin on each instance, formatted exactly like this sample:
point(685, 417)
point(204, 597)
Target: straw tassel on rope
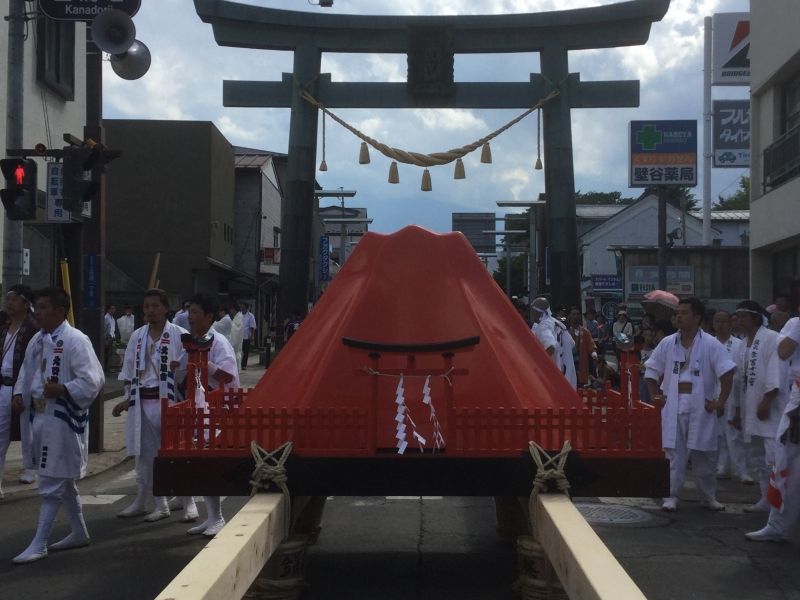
point(486, 154)
point(323, 166)
point(426, 181)
point(363, 154)
point(538, 165)
point(459, 170)
point(394, 176)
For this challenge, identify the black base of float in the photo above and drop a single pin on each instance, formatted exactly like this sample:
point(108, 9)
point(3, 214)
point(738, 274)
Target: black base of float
point(413, 476)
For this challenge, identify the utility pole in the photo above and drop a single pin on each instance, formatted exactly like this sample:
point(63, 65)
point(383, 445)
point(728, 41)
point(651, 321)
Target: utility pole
point(12, 230)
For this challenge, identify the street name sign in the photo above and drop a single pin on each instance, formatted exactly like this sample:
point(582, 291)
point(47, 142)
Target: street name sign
point(85, 10)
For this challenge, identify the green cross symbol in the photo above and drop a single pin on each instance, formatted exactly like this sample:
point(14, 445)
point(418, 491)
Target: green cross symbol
point(648, 137)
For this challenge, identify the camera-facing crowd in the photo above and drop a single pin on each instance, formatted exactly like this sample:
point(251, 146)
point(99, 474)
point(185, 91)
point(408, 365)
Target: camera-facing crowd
point(727, 387)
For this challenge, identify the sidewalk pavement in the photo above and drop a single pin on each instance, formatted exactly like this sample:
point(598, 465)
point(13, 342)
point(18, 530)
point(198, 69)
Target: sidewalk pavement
point(114, 451)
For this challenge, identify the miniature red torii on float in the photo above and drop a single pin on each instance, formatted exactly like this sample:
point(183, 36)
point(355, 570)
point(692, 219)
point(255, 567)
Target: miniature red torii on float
point(413, 374)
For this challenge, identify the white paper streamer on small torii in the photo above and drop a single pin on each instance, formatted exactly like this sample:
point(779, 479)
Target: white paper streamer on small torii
point(438, 439)
point(403, 415)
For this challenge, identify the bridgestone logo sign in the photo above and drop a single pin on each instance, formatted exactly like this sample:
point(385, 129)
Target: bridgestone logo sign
point(85, 10)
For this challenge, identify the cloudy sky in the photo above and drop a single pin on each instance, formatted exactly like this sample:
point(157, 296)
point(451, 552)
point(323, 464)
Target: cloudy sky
point(185, 82)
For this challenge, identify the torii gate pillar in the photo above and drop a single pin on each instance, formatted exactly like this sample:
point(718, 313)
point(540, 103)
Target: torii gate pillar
point(552, 34)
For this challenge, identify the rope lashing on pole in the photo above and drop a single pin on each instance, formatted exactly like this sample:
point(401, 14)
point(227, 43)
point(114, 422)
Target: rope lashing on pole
point(270, 470)
point(537, 579)
point(417, 158)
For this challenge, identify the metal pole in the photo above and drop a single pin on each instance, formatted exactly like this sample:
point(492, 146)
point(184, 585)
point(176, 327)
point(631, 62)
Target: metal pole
point(12, 230)
point(707, 112)
point(533, 273)
point(508, 267)
point(662, 238)
point(93, 240)
point(298, 201)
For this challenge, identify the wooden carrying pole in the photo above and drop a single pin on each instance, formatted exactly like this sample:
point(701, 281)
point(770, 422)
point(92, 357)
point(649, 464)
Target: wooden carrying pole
point(67, 288)
point(228, 565)
point(153, 281)
point(585, 567)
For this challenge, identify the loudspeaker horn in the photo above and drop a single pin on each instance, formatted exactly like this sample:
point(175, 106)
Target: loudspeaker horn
point(132, 64)
point(113, 31)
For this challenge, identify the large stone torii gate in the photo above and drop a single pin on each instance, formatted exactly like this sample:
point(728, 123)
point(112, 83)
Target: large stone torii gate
point(431, 43)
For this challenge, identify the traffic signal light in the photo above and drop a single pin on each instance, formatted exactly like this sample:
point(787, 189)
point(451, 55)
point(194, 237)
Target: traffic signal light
point(80, 183)
point(19, 195)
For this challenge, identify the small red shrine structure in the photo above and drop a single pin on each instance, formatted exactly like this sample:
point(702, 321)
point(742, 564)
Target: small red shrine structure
point(476, 387)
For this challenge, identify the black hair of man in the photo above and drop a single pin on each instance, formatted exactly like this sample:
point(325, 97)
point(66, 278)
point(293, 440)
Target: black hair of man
point(22, 291)
point(208, 303)
point(695, 305)
point(57, 296)
point(751, 306)
point(157, 293)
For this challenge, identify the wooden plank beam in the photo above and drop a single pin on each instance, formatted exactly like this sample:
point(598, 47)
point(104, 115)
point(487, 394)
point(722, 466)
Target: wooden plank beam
point(585, 567)
point(228, 565)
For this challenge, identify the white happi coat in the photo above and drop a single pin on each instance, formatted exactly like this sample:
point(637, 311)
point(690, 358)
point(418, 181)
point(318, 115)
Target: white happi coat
point(709, 362)
point(61, 432)
point(792, 331)
point(221, 354)
point(760, 370)
point(133, 367)
point(732, 345)
point(552, 333)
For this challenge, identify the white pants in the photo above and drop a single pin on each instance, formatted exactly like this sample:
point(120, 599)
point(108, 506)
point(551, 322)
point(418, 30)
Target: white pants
point(731, 450)
point(761, 458)
point(704, 464)
point(6, 415)
point(785, 521)
point(149, 443)
point(57, 488)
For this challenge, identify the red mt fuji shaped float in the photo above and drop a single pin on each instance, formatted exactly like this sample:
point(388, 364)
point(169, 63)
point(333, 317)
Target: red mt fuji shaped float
point(412, 367)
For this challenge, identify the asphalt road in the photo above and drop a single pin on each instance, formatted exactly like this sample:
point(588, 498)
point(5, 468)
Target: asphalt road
point(407, 547)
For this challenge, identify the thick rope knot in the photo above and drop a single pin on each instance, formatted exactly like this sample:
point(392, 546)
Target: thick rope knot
point(551, 469)
point(271, 471)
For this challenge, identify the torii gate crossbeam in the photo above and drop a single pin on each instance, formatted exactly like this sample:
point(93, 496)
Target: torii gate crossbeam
point(552, 34)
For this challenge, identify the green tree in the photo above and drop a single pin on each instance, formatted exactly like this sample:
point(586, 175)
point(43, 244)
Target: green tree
point(682, 198)
point(739, 200)
point(518, 279)
point(601, 198)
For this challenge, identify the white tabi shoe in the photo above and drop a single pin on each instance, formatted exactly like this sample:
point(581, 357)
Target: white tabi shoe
point(175, 504)
point(767, 534)
point(27, 476)
point(746, 479)
point(30, 555)
point(723, 475)
point(198, 529)
point(670, 505)
point(214, 528)
point(762, 506)
point(70, 542)
point(713, 505)
point(157, 515)
point(191, 515)
point(132, 511)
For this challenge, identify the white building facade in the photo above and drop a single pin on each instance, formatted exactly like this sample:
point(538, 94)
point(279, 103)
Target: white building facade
point(775, 149)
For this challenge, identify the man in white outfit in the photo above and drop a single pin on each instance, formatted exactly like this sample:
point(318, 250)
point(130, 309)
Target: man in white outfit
point(692, 364)
point(15, 337)
point(248, 332)
point(59, 380)
point(762, 398)
point(154, 365)
point(126, 325)
point(222, 371)
point(237, 332)
point(784, 492)
point(555, 339)
point(731, 461)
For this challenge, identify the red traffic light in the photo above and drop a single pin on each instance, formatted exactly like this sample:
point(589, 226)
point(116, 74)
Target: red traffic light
point(19, 195)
